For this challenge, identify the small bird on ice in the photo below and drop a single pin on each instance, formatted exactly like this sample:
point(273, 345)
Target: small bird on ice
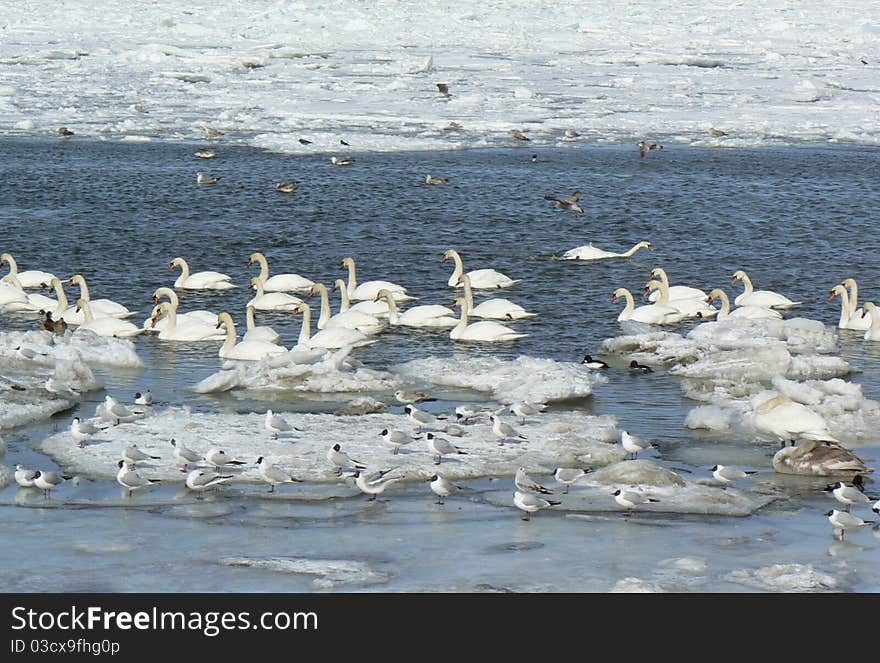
point(525, 483)
point(726, 474)
point(503, 429)
point(374, 486)
point(341, 460)
point(420, 417)
point(128, 478)
point(272, 475)
point(633, 445)
point(523, 409)
point(847, 494)
point(629, 499)
point(200, 480)
point(132, 455)
point(81, 431)
point(407, 397)
point(442, 487)
point(397, 438)
point(48, 481)
point(440, 446)
point(276, 424)
point(569, 475)
point(219, 458)
point(443, 89)
point(518, 135)
point(24, 477)
point(529, 502)
point(571, 134)
point(843, 521)
point(183, 455)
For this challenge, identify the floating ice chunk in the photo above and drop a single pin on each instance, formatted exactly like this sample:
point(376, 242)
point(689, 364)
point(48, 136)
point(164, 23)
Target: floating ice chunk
point(636, 586)
point(692, 565)
point(7, 476)
point(331, 573)
point(523, 93)
point(525, 378)
point(636, 473)
point(708, 417)
point(358, 406)
point(785, 578)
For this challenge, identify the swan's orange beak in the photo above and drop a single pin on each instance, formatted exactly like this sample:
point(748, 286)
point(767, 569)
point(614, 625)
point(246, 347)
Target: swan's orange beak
point(155, 299)
point(312, 292)
point(650, 247)
point(153, 322)
point(709, 299)
point(646, 291)
point(613, 298)
point(832, 295)
point(735, 279)
point(296, 310)
point(443, 259)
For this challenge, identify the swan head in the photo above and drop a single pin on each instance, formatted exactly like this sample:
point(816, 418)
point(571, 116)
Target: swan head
point(338, 284)
point(464, 279)
point(867, 307)
point(177, 262)
point(646, 245)
point(384, 292)
point(717, 293)
point(301, 308)
point(739, 274)
point(76, 278)
point(657, 271)
point(849, 283)
point(448, 254)
point(650, 286)
point(346, 262)
point(620, 292)
point(224, 318)
point(255, 257)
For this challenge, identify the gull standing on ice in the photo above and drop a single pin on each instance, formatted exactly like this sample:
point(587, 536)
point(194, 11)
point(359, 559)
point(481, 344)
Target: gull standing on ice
point(465, 413)
point(200, 480)
point(128, 478)
point(530, 503)
point(397, 438)
point(407, 397)
point(843, 520)
point(183, 455)
point(525, 483)
point(569, 475)
point(116, 412)
point(726, 474)
point(276, 424)
point(374, 486)
point(81, 431)
point(629, 499)
point(503, 429)
point(420, 417)
point(847, 494)
point(633, 445)
point(132, 455)
point(439, 446)
point(341, 460)
point(442, 488)
point(24, 477)
point(272, 475)
point(219, 458)
point(47, 481)
point(524, 409)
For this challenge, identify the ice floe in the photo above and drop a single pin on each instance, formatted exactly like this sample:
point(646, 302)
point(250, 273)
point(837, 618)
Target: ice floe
point(329, 573)
point(785, 578)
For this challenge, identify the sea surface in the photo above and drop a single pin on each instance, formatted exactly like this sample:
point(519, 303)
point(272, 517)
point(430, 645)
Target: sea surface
point(798, 219)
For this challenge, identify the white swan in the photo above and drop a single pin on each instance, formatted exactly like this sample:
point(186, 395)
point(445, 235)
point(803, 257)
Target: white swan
point(377, 309)
point(426, 315)
point(873, 333)
point(176, 329)
point(30, 278)
point(369, 289)
point(848, 319)
point(199, 280)
point(200, 315)
point(246, 350)
point(496, 308)
point(363, 322)
point(590, 252)
point(751, 312)
point(675, 291)
point(335, 337)
point(13, 297)
point(691, 306)
point(100, 307)
point(481, 279)
point(652, 314)
point(854, 311)
point(279, 282)
point(485, 330)
point(105, 326)
point(59, 306)
point(271, 301)
point(751, 297)
point(264, 334)
point(787, 420)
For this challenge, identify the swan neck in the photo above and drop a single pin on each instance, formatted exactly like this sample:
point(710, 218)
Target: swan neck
point(468, 296)
point(231, 336)
point(62, 299)
point(86, 309)
point(251, 323)
point(393, 314)
point(13, 266)
point(725, 304)
point(352, 278)
point(458, 271)
point(305, 332)
point(345, 302)
point(846, 310)
point(664, 293)
point(167, 292)
point(325, 307)
point(184, 269)
point(630, 302)
point(83, 289)
point(853, 297)
point(632, 251)
point(747, 284)
point(264, 267)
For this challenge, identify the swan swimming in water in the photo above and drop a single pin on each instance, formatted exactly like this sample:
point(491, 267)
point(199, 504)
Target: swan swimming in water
point(485, 330)
point(200, 315)
point(100, 307)
point(751, 312)
point(331, 338)
point(752, 297)
point(105, 326)
point(426, 315)
point(176, 329)
point(675, 291)
point(590, 252)
point(255, 333)
point(369, 289)
point(481, 279)
point(362, 322)
point(378, 309)
point(652, 314)
point(271, 301)
point(246, 350)
point(691, 306)
point(873, 333)
point(849, 319)
point(279, 282)
point(200, 280)
point(31, 278)
point(492, 309)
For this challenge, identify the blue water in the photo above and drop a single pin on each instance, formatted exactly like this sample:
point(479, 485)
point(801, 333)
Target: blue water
point(799, 220)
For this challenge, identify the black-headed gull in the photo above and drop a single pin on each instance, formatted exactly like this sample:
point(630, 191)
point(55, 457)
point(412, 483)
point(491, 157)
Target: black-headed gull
point(630, 499)
point(376, 486)
point(843, 521)
point(525, 483)
point(128, 478)
point(341, 460)
point(131, 454)
point(529, 502)
point(24, 477)
point(569, 475)
point(219, 458)
point(397, 438)
point(442, 487)
point(726, 474)
point(48, 481)
point(440, 446)
point(846, 494)
point(633, 445)
point(183, 455)
point(81, 431)
point(200, 480)
point(272, 475)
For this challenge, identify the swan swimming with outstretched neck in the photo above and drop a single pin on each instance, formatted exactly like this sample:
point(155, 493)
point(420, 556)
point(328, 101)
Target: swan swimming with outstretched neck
point(753, 297)
point(493, 309)
point(425, 315)
point(652, 314)
point(849, 319)
point(206, 280)
point(369, 289)
point(481, 279)
point(484, 331)
point(278, 282)
point(590, 252)
point(246, 350)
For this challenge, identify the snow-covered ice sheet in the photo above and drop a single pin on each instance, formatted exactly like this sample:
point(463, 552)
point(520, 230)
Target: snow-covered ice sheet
point(269, 73)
